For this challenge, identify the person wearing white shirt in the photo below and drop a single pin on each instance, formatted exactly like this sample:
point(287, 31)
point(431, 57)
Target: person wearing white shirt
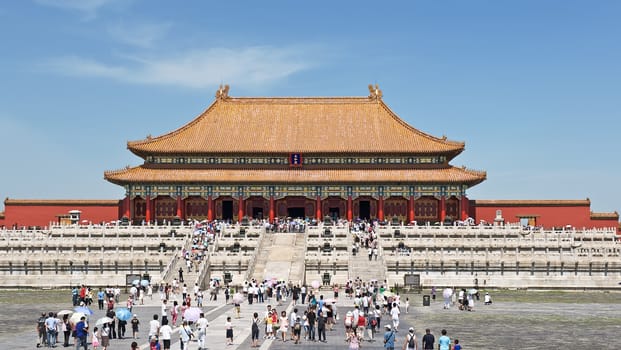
point(201, 327)
point(166, 334)
point(154, 327)
point(185, 334)
point(292, 319)
point(394, 312)
point(164, 310)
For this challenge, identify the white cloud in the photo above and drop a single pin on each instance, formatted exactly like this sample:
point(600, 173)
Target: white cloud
point(244, 67)
point(88, 8)
point(140, 34)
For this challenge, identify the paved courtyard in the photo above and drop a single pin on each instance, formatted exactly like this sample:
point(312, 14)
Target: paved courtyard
point(516, 319)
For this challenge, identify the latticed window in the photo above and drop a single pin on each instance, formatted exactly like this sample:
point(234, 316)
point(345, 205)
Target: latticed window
point(426, 208)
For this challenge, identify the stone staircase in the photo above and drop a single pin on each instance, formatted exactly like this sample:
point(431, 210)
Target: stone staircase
point(281, 256)
point(360, 266)
point(189, 278)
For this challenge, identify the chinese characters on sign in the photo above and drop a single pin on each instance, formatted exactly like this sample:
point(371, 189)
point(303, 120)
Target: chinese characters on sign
point(295, 160)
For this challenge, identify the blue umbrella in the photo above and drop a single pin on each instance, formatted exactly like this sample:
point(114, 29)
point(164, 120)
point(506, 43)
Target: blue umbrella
point(84, 310)
point(123, 313)
point(144, 283)
point(136, 282)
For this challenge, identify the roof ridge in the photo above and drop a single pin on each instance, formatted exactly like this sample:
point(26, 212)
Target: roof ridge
point(410, 127)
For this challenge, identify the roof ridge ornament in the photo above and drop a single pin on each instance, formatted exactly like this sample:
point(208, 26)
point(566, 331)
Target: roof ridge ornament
point(223, 92)
point(375, 93)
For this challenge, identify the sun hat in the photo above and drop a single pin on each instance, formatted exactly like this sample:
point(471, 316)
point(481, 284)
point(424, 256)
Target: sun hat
point(387, 327)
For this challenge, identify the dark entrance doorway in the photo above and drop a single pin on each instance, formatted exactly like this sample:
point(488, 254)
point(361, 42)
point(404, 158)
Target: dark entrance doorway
point(365, 210)
point(257, 213)
point(334, 213)
point(227, 210)
point(296, 212)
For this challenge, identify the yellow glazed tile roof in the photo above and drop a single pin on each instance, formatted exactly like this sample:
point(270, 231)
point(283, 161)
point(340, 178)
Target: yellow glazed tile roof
point(295, 176)
point(291, 125)
point(602, 216)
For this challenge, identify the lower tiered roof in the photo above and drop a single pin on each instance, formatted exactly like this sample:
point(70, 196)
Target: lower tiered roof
point(143, 174)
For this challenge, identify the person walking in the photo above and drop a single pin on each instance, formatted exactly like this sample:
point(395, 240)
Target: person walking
point(42, 340)
point(428, 340)
point(228, 325)
point(100, 299)
point(254, 329)
point(174, 312)
point(311, 317)
point(411, 343)
point(185, 334)
point(201, 327)
point(165, 334)
point(389, 338)
point(50, 330)
point(81, 333)
point(135, 324)
point(95, 338)
point(164, 310)
point(105, 336)
point(394, 313)
point(444, 343)
point(284, 325)
point(354, 341)
point(66, 328)
point(321, 327)
point(154, 327)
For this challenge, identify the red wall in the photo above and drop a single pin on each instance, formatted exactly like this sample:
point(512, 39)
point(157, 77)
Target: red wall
point(41, 214)
point(578, 216)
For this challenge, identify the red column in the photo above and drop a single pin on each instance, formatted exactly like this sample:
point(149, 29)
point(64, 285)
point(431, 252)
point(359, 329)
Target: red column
point(442, 209)
point(271, 209)
point(179, 207)
point(240, 214)
point(318, 208)
point(464, 207)
point(209, 208)
point(350, 211)
point(380, 209)
point(126, 206)
point(148, 211)
point(411, 211)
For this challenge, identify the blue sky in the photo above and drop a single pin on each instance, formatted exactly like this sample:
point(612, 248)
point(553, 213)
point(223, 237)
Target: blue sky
point(532, 87)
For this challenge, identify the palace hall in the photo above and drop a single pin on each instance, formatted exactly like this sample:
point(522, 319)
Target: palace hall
point(310, 157)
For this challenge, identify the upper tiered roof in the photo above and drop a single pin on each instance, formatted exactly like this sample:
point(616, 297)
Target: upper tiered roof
point(354, 125)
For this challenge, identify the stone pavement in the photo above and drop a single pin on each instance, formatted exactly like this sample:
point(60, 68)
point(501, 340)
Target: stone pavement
point(528, 320)
point(216, 313)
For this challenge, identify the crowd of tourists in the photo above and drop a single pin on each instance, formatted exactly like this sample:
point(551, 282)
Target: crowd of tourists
point(375, 314)
point(62, 327)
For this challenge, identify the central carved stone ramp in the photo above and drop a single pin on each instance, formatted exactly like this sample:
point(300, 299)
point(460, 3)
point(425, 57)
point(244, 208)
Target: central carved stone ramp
point(281, 256)
point(360, 266)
